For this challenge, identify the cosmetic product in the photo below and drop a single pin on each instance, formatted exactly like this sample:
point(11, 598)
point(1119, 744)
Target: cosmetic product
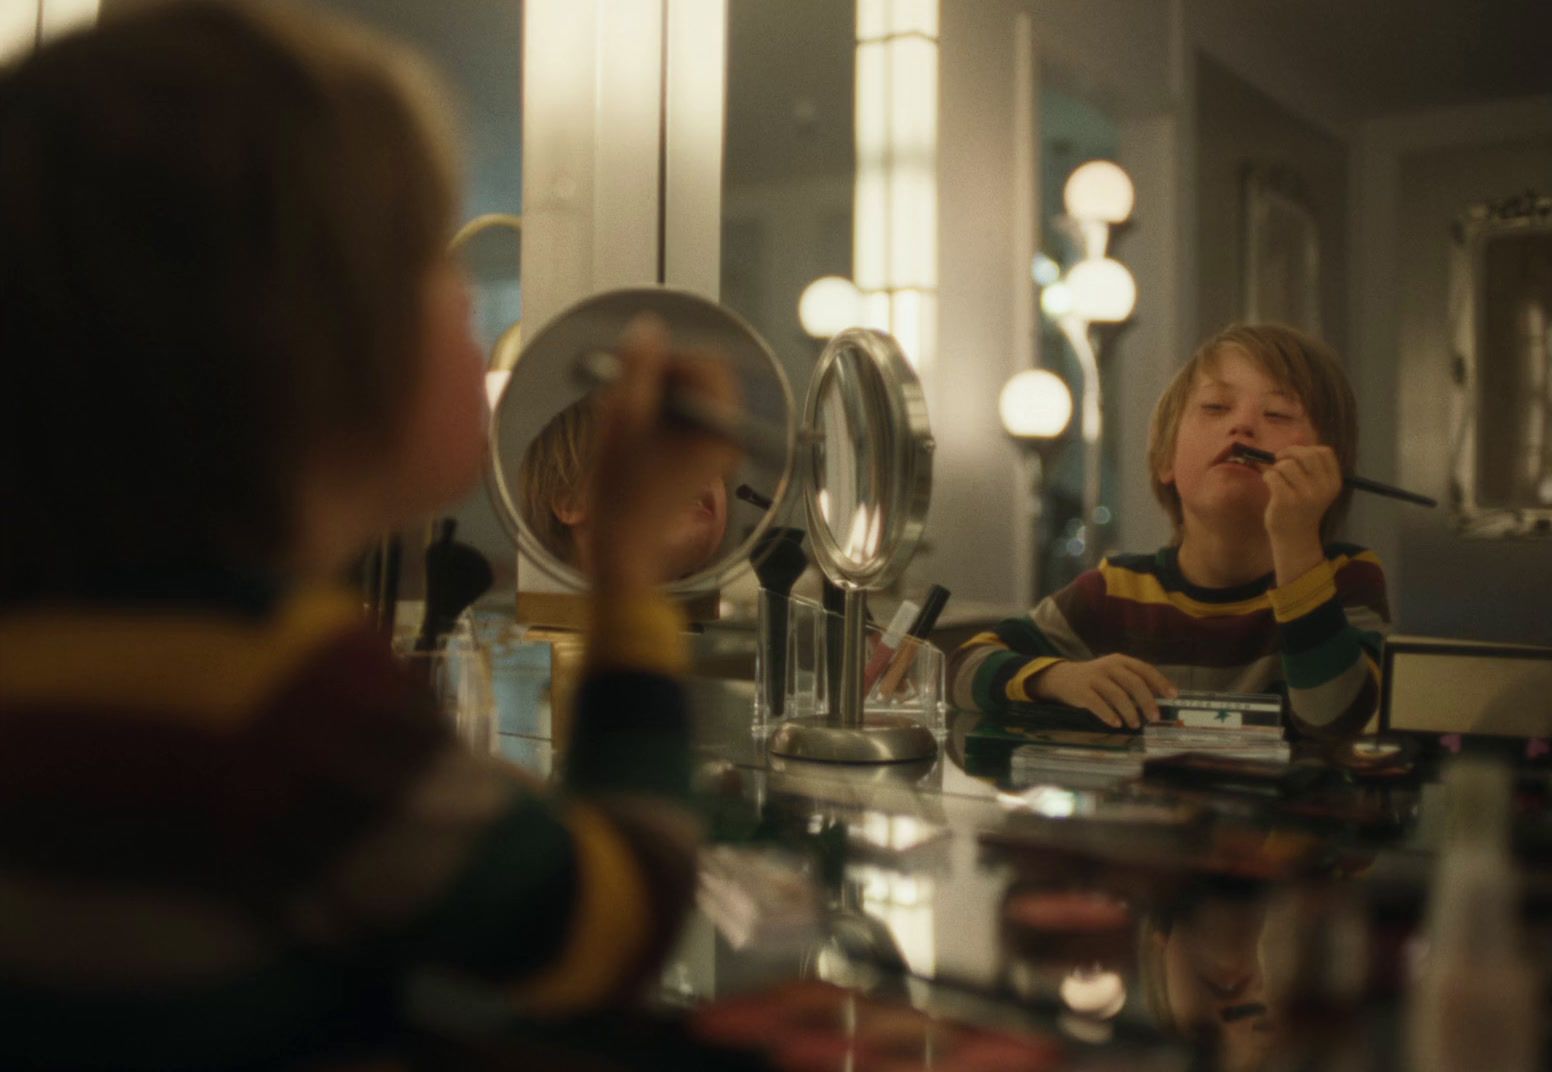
point(1357, 483)
point(888, 644)
point(779, 560)
point(752, 497)
point(456, 575)
point(925, 621)
point(762, 441)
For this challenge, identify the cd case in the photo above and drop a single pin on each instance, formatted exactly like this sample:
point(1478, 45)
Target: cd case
point(1224, 710)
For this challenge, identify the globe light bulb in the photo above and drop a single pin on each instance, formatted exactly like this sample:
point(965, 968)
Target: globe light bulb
point(1099, 190)
point(1103, 291)
point(1044, 270)
point(1035, 404)
point(1056, 300)
point(829, 305)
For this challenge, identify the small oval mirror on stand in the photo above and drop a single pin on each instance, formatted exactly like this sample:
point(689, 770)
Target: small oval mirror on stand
point(542, 433)
point(867, 464)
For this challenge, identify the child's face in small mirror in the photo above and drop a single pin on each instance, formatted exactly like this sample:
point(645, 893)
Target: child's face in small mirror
point(1233, 401)
point(698, 534)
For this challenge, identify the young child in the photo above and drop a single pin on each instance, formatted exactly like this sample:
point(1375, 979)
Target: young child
point(232, 830)
point(1252, 596)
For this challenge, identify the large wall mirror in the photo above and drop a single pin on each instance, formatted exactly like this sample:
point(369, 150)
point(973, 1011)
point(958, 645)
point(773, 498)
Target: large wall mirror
point(789, 165)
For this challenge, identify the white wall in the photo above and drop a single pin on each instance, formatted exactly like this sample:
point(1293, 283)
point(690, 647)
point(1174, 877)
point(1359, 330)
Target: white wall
point(976, 495)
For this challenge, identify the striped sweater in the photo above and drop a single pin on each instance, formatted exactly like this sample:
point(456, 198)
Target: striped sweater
point(230, 840)
point(1316, 639)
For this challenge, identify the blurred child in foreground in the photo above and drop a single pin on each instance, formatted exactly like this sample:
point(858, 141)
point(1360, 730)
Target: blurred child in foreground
point(232, 831)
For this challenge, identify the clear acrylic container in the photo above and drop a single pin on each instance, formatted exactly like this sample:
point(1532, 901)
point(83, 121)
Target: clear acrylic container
point(800, 681)
point(913, 683)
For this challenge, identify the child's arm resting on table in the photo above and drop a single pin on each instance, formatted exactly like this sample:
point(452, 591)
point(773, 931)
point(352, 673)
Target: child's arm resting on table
point(1041, 657)
point(1333, 620)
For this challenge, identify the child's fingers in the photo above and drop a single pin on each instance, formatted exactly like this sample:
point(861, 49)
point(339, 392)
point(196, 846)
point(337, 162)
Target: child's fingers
point(1120, 701)
point(1156, 681)
point(1095, 704)
point(1138, 690)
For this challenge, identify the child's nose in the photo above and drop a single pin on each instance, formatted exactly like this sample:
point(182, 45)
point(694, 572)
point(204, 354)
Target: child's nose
point(1246, 422)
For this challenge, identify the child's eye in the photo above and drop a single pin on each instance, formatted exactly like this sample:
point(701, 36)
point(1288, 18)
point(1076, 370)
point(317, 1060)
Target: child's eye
point(1215, 407)
point(1276, 416)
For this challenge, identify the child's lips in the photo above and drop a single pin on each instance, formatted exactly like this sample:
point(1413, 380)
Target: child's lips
point(1229, 456)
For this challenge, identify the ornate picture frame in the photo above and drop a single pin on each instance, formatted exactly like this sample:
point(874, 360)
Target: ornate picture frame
point(1501, 343)
point(1282, 251)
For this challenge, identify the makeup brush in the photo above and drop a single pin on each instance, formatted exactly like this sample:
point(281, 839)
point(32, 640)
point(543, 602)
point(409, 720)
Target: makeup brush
point(752, 497)
point(779, 560)
point(764, 442)
point(456, 575)
point(1357, 483)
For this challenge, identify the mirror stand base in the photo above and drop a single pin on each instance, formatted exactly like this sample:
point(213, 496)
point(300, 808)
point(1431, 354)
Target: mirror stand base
point(882, 738)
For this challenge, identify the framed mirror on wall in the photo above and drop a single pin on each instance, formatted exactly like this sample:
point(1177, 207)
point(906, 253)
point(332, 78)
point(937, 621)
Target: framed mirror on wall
point(1501, 319)
point(1282, 251)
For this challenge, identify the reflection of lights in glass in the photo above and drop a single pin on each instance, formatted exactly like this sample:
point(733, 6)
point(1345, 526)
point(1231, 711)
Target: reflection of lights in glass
point(1075, 546)
point(495, 383)
point(895, 228)
point(906, 906)
point(1099, 190)
point(823, 499)
point(1044, 270)
point(1056, 300)
point(829, 305)
point(1101, 515)
point(1035, 404)
point(1103, 291)
point(857, 540)
point(1094, 992)
point(894, 831)
point(1051, 802)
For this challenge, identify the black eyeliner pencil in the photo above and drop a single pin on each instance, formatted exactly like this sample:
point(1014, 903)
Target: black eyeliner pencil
point(1357, 483)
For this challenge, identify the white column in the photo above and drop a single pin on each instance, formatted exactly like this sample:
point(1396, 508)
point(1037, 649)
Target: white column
point(592, 118)
point(696, 108)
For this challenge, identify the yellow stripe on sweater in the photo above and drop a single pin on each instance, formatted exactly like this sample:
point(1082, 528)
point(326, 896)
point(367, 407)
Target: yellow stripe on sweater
point(1145, 588)
point(609, 930)
point(637, 633)
point(208, 669)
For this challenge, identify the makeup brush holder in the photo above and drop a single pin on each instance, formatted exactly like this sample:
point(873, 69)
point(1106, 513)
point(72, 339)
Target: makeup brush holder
point(794, 670)
point(913, 683)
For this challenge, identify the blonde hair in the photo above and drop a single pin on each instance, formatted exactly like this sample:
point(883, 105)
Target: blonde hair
point(1298, 363)
point(553, 474)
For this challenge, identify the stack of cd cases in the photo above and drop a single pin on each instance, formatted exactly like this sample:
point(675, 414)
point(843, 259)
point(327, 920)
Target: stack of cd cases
point(1230, 724)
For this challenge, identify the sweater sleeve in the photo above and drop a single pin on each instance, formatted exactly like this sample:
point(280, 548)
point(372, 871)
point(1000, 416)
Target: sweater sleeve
point(567, 901)
point(996, 668)
point(1332, 622)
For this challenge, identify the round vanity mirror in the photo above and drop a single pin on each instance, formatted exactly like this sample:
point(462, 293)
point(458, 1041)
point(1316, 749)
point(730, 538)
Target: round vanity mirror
point(869, 460)
point(543, 432)
point(867, 463)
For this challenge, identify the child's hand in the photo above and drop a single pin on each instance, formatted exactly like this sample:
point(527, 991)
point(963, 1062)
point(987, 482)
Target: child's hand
point(1117, 689)
point(648, 470)
point(1303, 483)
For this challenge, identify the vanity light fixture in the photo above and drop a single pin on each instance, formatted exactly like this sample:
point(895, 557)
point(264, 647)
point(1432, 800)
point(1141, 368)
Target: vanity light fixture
point(1035, 404)
point(829, 305)
point(1097, 289)
point(1103, 291)
point(1036, 407)
point(895, 215)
